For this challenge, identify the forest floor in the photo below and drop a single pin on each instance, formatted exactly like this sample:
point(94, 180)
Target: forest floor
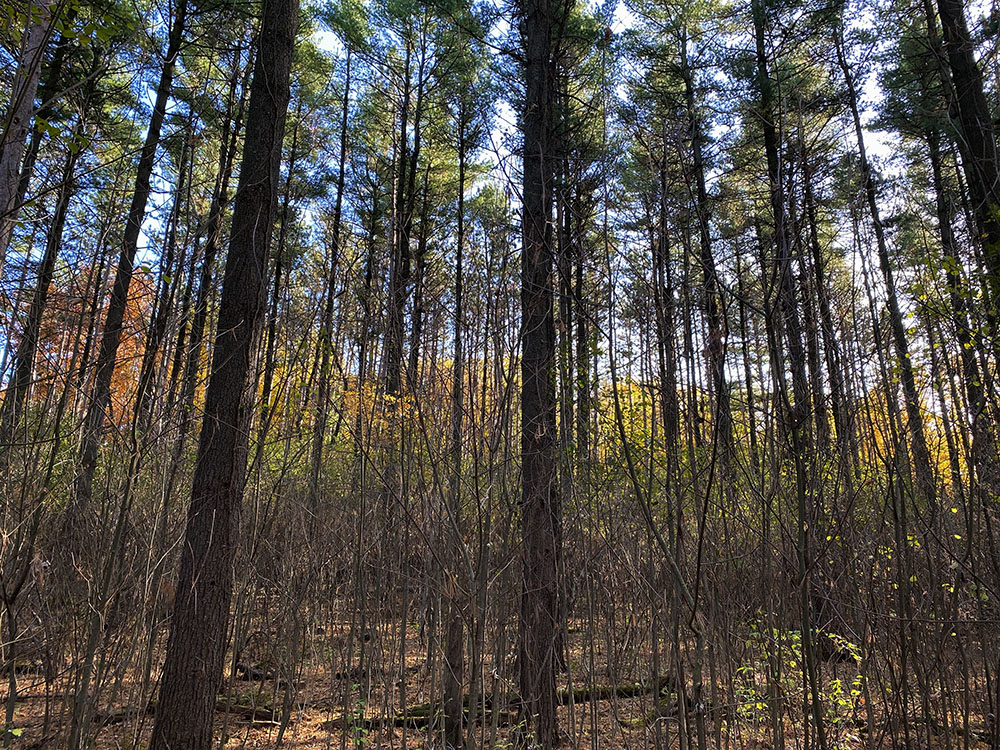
point(598, 712)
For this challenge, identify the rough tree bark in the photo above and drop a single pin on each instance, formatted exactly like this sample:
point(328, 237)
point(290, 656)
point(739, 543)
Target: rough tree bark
point(975, 123)
point(540, 501)
point(197, 645)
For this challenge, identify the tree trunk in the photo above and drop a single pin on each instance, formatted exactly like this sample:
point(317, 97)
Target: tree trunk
point(583, 393)
point(229, 133)
point(112, 333)
point(540, 502)
point(47, 91)
point(831, 348)
point(16, 395)
point(326, 329)
point(454, 652)
point(168, 282)
point(714, 313)
point(796, 413)
point(918, 443)
point(277, 286)
point(15, 124)
point(975, 124)
point(984, 448)
point(197, 644)
point(399, 270)
point(419, 283)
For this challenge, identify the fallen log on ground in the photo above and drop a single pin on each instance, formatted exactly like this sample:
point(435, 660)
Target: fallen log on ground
point(411, 721)
point(607, 692)
point(258, 714)
point(422, 715)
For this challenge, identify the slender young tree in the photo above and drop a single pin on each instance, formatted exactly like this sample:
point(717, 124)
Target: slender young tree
point(795, 401)
point(326, 326)
point(15, 397)
point(915, 424)
point(713, 300)
point(454, 655)
point(111, 335)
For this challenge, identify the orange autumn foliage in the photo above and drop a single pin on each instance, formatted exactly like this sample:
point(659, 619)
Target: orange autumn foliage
point(63, 333)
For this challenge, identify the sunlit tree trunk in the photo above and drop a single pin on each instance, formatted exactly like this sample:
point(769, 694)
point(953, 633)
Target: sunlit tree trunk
point(14, 127)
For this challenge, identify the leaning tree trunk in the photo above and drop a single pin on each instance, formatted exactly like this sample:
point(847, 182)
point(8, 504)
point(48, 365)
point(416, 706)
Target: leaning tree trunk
point(918, 444)
point(196, 648)
point(48, 89)
point(14, 128)
point(164, 303)
point(981, 164)
point(112, 334)
point(974, 378)
point(16, 395)
point(229, 135)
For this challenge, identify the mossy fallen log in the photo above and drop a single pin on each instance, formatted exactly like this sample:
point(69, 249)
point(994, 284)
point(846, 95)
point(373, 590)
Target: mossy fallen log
point(607, 692)
point(423, 715)
point(122, 715)
point(258, 714)
point(409, 720)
